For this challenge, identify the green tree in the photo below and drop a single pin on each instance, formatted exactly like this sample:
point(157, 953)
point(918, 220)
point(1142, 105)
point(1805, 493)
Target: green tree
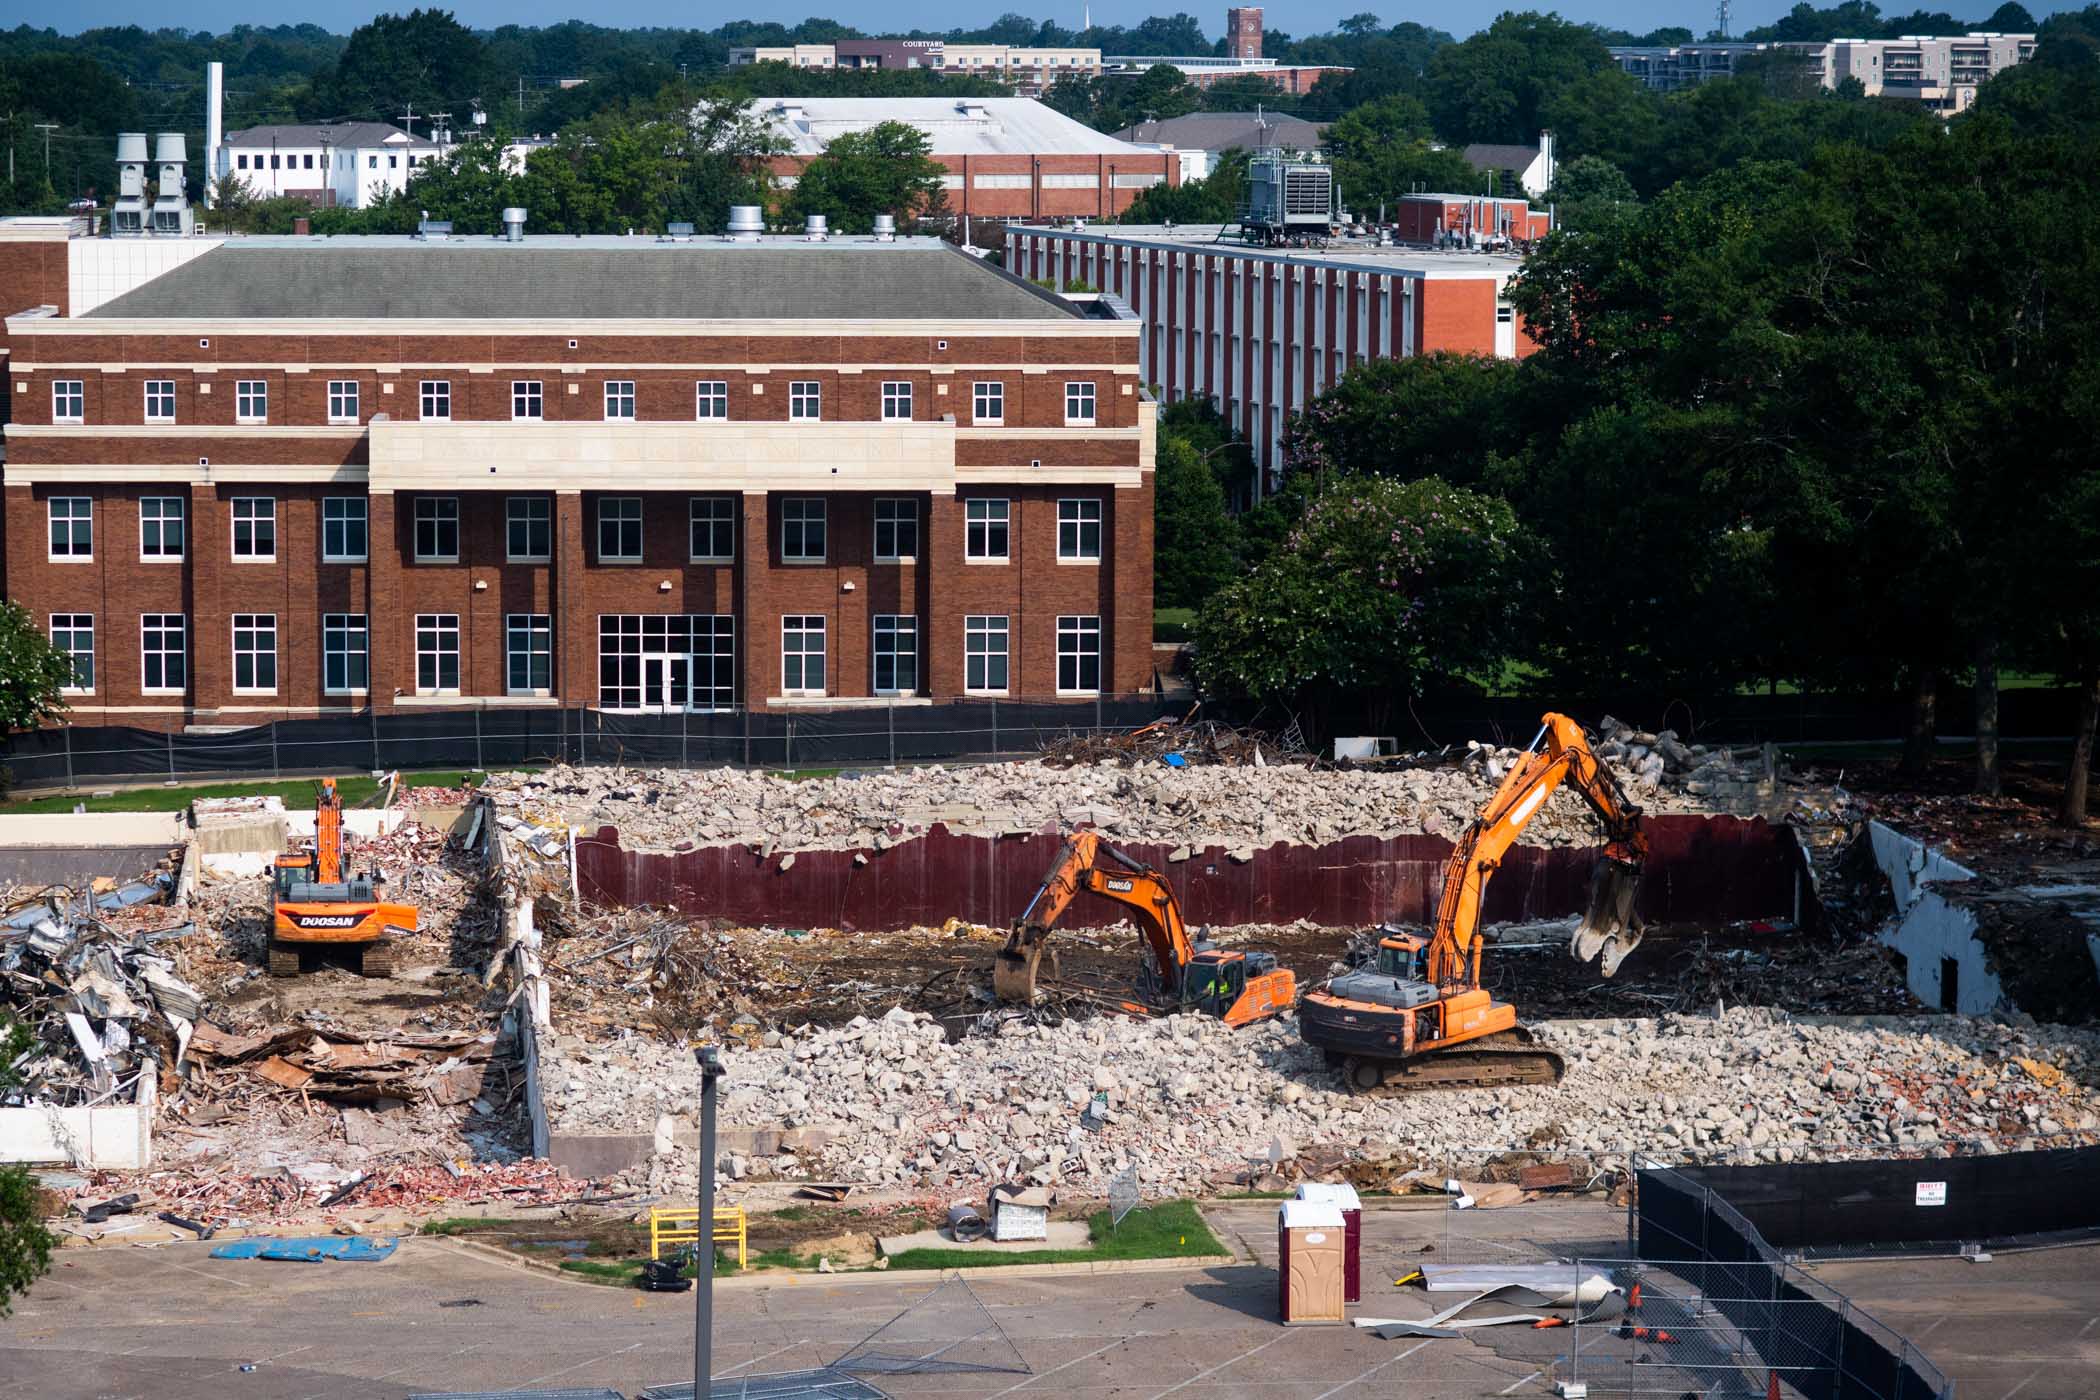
point(25, 1245)
point(1499, 84)
point(1193, 535)
point(1384, 590)
point(1588, 191)
point(887, 169)
point(424, 59)
point(1440, 415)
point(1214, 199)
point(1383, 150)
point(33, 673)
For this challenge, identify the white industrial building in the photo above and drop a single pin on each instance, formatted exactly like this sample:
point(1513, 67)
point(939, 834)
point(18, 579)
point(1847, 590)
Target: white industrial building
point(348, 164)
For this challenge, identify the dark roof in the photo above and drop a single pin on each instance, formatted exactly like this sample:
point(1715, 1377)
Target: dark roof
point(584, 279)
point(337, 134)
point(1489, 156)
point(1228, 131)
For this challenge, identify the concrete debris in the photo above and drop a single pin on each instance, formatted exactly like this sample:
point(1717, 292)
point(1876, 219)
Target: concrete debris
point(1196, 1106)
point(1240, 808)
point(98, 991)
point(1648, 764)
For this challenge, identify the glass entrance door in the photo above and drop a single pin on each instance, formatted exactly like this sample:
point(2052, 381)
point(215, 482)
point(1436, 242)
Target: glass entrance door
point(667, 682)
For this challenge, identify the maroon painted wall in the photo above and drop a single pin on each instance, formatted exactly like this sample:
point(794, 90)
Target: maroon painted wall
point(1705, 869)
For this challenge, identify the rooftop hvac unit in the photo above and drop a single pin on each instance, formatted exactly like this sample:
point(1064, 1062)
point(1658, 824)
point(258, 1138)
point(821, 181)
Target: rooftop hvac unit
point(127, 218)
point(1287, 200)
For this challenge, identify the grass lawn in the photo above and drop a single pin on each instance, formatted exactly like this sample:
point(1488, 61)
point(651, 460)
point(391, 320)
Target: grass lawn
point(356, 789)
point(1172, 1230)
point(1172, 624)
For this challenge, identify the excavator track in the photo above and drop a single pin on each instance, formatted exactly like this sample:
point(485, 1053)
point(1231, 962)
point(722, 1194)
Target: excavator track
point(284, 959)
point(1496, 1061)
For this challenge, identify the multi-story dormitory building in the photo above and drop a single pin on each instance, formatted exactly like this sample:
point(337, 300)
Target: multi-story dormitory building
point(300, 476)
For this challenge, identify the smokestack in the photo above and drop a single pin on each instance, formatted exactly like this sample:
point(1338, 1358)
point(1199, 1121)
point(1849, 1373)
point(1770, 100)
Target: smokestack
point(214, 123)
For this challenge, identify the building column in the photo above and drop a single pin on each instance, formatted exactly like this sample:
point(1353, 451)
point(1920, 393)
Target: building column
point(209, 545)
point(758, 619)
point(1129, 641)
point(390, 659)
point(575, 629)
point(942, 553)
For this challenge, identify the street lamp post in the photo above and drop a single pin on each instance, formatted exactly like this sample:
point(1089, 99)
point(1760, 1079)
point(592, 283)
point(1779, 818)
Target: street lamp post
point(710, 1058)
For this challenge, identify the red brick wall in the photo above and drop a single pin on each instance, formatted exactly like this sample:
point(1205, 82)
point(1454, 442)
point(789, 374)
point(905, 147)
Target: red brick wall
point(33, 273)
point(1037, 200)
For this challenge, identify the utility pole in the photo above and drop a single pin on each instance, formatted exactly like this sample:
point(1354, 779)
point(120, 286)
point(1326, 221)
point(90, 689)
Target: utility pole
point(47, 128)
point(408, 118)
point(710, 1058)
point(521, 96)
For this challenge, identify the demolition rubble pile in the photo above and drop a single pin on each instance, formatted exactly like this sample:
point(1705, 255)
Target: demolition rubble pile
point(95, 979)
point(1239, 808)
point(1198, 1106)
point(1647, 763)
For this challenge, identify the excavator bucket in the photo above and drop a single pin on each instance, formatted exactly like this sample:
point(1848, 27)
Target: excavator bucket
point(1610, 928)
point(1019, 963)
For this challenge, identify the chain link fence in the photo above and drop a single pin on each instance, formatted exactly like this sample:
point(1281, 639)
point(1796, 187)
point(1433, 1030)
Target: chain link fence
point(900, 731)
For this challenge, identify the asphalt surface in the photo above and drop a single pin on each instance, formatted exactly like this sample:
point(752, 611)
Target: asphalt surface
point(174, 1324)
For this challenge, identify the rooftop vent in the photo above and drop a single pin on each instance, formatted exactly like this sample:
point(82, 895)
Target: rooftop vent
point(816, 228)
point(434, 230)
point(127, 217)
point(885, 228)
point(746, 222)
point(678, 232)
point(131, 148)
point(168, 149)
point(514, 225)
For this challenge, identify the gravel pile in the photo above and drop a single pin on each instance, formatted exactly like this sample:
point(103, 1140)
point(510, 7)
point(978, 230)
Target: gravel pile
point(1192, 1102)
point(1241, 808)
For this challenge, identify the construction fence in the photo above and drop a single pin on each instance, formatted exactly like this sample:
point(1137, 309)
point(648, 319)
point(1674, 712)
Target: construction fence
point(899, 731)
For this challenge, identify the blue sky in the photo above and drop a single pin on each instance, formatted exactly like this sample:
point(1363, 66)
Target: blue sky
point(1295, 16)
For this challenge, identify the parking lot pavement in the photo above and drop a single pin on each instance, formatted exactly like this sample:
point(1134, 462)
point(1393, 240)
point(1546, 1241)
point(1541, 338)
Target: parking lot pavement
point(174, 1324)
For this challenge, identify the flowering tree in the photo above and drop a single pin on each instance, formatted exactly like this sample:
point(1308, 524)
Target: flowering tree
point(1384, 589)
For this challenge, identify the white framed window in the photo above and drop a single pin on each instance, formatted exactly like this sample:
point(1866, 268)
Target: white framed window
point(72, 529)
point(529, 653)
point(802, 654)
point(1079, 403)
point(1079, 531)
point(802, 529)
point(986, 530)
point(346, 653)
point(1078, 655)
point(896, 654)
point(437, 653)
point(160, 401)
point(74, 634)
point(896, 400)
point(342, 400)
point(69, 401)
point(805, 399)
point(619, 399)
point(255, 653)
point(988, 402)
point(525, 400)
point(345, 530)
point(164, 653)
point(251, 401)
point(985, 654)
point(436, 399)
point(528, 529)
point(619, 529)
point(160, 529)
point(711, 398)
point(713, 520)
point(437, 529)
point(255, 528)
point(896, 529)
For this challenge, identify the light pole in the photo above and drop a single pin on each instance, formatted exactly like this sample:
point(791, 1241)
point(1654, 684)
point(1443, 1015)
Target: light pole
point(710, 1058)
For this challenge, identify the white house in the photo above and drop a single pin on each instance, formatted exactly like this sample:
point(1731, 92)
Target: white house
point(351, 164)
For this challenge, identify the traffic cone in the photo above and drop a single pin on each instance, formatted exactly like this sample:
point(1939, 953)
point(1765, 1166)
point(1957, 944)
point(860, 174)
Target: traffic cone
point(1771, 1385)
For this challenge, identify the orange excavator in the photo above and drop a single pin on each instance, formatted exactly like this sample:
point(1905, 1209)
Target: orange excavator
point(1187, 974)
point(1417, 1017)
point(316, 903)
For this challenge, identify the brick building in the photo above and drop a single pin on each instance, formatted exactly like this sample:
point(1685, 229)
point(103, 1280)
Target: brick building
point(1261, 332)
point(1006, 157)
point(298, 476)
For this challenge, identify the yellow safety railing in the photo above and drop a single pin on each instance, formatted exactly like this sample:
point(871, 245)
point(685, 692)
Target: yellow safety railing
point(681, 1225)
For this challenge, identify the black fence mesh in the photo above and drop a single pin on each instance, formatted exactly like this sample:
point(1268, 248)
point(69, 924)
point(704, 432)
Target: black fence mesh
point(905, 732)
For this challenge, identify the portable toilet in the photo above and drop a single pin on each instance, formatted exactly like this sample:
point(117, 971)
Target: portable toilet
point(1352, 1208)
point(1310, 1249)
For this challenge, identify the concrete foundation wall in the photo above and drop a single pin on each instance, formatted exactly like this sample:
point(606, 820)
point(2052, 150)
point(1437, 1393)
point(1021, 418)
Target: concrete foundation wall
point(1928, 930)
point(107, 1137)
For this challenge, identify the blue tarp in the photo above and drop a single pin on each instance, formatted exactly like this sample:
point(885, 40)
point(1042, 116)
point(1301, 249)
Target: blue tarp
point(309, 1249)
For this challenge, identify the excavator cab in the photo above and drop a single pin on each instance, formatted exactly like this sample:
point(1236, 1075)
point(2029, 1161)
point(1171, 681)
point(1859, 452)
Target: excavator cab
point(1405, 956)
